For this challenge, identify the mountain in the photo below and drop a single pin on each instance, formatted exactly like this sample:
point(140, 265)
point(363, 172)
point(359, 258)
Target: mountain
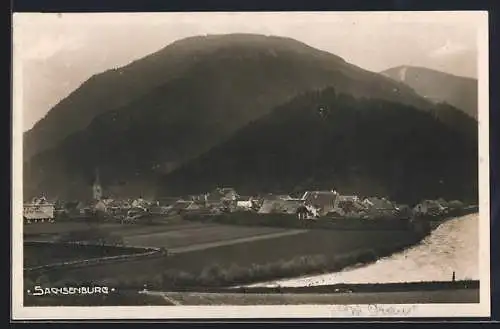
point(118, 87)
point(460, 92)
point(325, 140)
point(149, 117)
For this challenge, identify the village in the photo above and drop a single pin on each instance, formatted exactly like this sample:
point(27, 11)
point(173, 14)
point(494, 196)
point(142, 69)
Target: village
point(309, 206)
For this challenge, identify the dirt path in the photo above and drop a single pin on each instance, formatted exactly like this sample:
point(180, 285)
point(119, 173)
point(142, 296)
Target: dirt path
point(203, 246)
point(414, 297)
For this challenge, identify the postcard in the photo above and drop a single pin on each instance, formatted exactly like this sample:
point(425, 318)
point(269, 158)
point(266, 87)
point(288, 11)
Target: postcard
point(211, 165)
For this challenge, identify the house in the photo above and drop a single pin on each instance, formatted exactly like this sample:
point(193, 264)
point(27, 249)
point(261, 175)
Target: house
point(324, 201)
point(140, 203)
point(112, 205)
point(350, 204)
point(221, 198)
point(100, 206)
point(306, 212)
point(429, 207)
point(443, 202)
point(224, 193)
point(455, 204)
point(376, 205)
point(245, 203)
point(39, 209)
point(288, 206)
point(403, 210)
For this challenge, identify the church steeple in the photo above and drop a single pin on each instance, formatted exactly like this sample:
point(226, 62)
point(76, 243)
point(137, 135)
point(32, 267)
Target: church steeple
point(97, 189)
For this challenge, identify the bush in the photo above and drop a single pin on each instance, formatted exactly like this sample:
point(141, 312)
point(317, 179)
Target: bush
point(214, 275)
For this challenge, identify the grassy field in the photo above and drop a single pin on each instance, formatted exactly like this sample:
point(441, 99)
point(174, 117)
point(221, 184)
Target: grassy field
point(181, 236)
point(34, 230)
point(194, 235)
point(37, 254)
point(313, 242)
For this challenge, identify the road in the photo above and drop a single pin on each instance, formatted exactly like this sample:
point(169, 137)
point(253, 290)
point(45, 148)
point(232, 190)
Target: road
point(414, 297)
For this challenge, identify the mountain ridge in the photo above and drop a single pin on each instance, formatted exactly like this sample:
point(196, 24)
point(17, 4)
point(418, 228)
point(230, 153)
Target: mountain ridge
point(437, 86)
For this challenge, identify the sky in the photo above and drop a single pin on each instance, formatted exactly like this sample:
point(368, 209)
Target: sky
point(58, 52)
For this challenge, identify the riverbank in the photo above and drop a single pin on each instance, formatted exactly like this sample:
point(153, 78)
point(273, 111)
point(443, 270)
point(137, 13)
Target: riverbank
point(449, 251)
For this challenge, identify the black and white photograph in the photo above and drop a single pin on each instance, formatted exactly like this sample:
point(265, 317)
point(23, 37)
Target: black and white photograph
point(187, 165)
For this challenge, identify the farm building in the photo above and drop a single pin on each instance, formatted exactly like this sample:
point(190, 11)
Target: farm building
point(39, 209)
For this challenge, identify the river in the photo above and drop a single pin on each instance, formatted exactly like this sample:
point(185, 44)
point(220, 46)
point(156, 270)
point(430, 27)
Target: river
point(451, 247)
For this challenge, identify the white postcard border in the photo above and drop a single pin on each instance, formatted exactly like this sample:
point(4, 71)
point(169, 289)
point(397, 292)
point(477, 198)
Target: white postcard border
point(481, 309)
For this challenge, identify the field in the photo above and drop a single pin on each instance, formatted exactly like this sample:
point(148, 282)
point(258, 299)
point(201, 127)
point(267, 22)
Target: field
point(214, 255)
point(36, 254)
point(37, 230)
point(195, 235)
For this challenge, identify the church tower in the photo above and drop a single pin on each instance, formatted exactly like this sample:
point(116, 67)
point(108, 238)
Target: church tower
point(97, 189)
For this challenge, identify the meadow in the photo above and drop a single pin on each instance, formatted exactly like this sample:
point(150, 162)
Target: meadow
point(195, 235)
